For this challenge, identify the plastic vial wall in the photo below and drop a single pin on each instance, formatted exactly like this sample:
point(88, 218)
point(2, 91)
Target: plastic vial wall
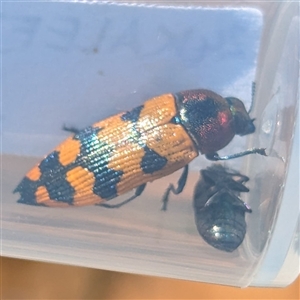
point(76, 63)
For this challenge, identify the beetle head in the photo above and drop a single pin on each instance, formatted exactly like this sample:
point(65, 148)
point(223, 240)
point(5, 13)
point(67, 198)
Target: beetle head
point(243, 123)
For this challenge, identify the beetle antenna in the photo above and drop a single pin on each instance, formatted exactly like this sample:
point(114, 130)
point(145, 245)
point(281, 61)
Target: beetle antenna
point(253, 87)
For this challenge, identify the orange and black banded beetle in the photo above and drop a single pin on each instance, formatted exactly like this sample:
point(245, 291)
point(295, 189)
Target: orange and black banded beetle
point(127, 150)
point(219, 212)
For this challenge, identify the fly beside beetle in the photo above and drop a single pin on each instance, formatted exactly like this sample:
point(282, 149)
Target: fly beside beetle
point(129, 149)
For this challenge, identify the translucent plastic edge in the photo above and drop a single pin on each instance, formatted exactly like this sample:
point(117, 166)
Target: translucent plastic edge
point(280, 266)
point(262, 279)
point(289, 271)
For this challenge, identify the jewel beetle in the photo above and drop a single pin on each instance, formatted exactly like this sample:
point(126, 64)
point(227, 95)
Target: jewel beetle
point(127, 150)
point(219, 212)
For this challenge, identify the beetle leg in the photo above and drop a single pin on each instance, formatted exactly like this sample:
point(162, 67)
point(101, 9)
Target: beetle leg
point(241, 178)
point(71, 129)
point(180, 186)
point(137, 193)
point(215, 156)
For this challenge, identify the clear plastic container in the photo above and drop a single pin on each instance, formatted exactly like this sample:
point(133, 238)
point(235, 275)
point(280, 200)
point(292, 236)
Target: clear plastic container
point(76, 63)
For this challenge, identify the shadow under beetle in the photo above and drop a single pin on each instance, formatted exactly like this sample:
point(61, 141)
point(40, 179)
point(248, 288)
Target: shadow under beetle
point(219, 212)
point(127, 150)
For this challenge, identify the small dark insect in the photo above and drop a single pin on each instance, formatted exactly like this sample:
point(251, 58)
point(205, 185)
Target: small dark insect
point(219, 212)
